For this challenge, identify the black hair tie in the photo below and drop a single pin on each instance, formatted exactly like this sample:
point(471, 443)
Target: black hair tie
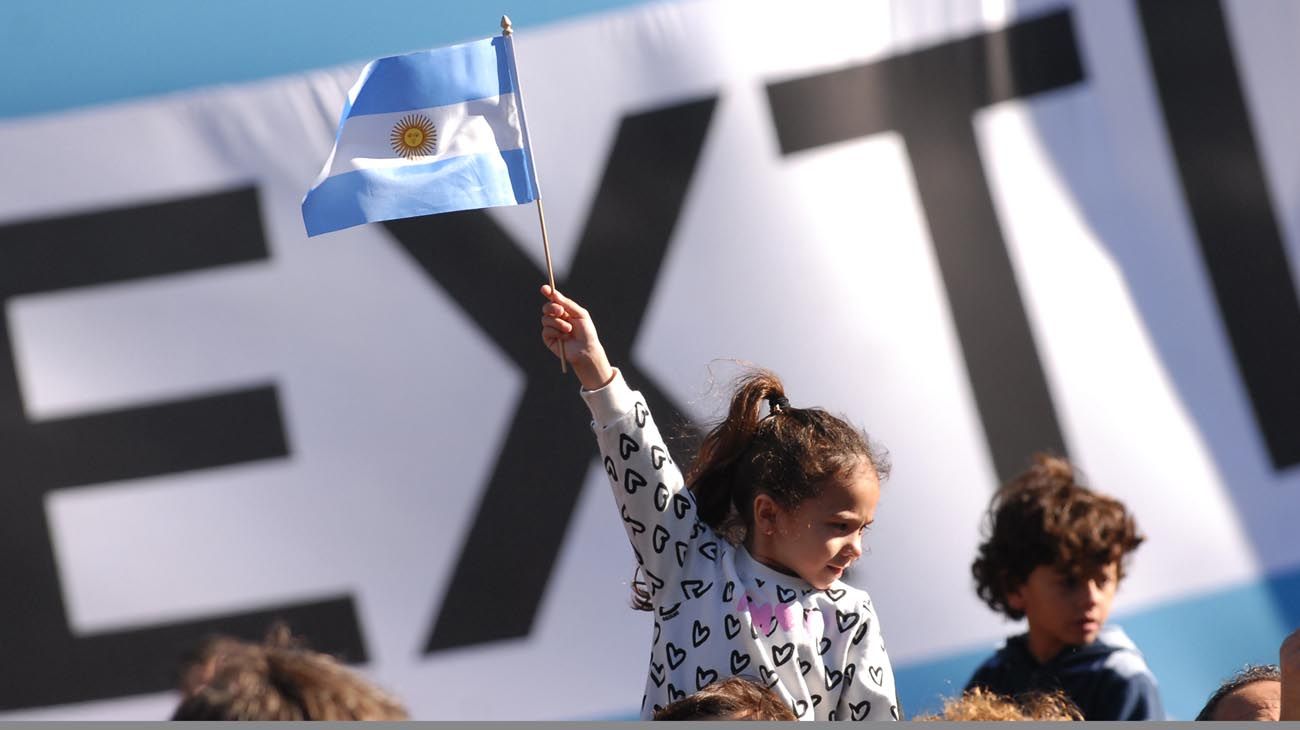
point(778, 403)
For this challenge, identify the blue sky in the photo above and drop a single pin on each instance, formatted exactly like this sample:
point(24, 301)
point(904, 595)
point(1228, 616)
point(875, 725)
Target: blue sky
point(61, 54)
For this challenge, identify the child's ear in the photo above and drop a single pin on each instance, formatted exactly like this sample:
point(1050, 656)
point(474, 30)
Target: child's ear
point(1016, 599)
point(766, 512)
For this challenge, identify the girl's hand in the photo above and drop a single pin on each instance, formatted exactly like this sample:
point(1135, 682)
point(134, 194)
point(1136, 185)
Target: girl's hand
point(564, 320)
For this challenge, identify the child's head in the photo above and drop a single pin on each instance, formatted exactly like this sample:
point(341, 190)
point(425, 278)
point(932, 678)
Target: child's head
point(1254, 693)
point(1055, 553)
point(981, 705)
point(731, 699)
point(229, 679)
point(797, 485)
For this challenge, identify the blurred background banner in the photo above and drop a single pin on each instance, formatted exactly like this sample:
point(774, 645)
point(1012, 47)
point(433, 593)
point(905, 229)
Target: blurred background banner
point(979, 229)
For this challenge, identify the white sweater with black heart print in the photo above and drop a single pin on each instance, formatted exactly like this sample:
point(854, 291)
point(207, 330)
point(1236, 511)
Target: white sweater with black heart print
point(718, 612)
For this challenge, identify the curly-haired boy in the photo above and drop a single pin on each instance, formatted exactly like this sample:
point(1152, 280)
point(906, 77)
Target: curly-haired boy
point(1055, 555)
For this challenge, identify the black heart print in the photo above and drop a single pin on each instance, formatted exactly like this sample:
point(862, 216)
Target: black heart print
point(862, 633)
point(771, 626)
point(877, 675)
point(781, 654)
point(610, 470)
point(626, 445)
point(680, 505)
point(800, 707)
point(768, 676)
point(704, 677)
point(804, 667)
point(817, 700)
point(675, 694)
point(833, 678)
point(832, 716)
point(658, 456)
point(675, 655)
point(697, 529)
point(893, 711)
point(759, 581)
point(656, 673)
point(710, 551)
point(658, 629)
point(727, 591)
point(632, 481)
point(640, 412)
point(738, 662)
point(695, 588)
point(860, 710)
point(637, 527)
point(655, 581)
point(699, 634)
point(846, 621)
point(731, 625)
point(669, 612)
point(850, 671)
point(659, 538)
point(823, 646)
point(785, 595)
point(835, 593)
point(681, 549)
point(661, 496)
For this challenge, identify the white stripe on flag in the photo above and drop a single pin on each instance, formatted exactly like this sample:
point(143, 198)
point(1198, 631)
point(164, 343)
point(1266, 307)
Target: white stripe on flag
point(468, 128)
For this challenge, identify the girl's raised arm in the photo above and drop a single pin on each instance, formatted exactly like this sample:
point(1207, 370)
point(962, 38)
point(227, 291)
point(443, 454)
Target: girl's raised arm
point(658, 513)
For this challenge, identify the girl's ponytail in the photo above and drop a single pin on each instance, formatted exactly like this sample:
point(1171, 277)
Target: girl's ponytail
point(712, 479)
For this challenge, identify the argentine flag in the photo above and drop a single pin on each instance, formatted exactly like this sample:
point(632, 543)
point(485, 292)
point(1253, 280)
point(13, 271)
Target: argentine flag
point(428, 132)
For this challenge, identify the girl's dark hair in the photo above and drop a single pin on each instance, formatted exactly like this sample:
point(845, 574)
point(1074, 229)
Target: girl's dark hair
point(766, 446)
point(1044, 516)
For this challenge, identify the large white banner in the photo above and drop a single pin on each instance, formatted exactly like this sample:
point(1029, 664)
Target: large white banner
point(978, 229)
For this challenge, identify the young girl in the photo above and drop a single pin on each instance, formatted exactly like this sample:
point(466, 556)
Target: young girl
point(742, 568)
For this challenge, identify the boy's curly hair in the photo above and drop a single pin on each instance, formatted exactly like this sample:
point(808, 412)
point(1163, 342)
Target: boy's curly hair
point(1045, 516)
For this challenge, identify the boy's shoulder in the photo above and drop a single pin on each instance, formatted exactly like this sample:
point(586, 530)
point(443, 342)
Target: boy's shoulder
point(1113, 653)
point(1007, 668)
point(1108, 679)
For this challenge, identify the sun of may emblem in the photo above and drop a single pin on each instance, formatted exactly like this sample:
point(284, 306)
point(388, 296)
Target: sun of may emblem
point(414, 136)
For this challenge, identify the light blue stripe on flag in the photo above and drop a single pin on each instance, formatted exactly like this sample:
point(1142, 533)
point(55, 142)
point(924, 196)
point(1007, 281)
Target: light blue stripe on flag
point(438, 77)
point(458, 183)
point(434, 132)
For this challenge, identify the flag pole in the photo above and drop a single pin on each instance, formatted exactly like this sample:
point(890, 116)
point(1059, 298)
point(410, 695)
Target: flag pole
point(507, 30)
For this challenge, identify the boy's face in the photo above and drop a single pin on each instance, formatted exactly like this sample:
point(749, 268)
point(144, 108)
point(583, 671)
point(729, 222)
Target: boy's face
point(1063, 609)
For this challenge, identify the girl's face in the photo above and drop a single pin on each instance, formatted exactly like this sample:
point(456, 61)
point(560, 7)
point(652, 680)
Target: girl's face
point(820, 538)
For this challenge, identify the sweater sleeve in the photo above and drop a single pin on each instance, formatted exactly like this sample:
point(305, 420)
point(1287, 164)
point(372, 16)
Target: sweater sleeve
point(1134, 697)
point(869, 694)
point(658, 513)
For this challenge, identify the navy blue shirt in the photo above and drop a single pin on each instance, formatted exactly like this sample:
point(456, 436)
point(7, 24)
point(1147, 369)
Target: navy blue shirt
point(1108, 679)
